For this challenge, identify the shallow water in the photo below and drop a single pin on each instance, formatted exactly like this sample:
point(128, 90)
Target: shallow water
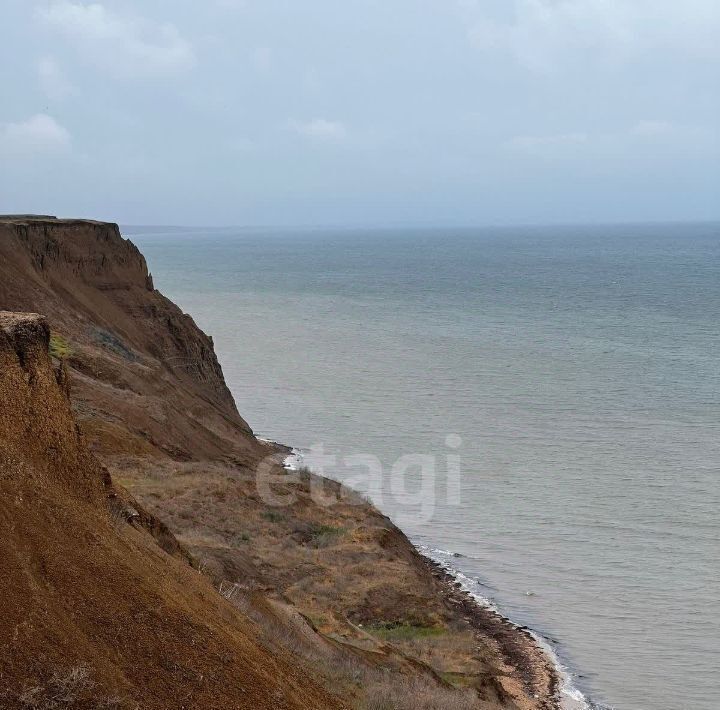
point(578, 366)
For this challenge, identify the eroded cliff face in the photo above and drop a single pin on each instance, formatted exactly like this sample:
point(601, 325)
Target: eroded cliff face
point(41, 442)
point(153, 407)
point(94, 613)
point(145, 373)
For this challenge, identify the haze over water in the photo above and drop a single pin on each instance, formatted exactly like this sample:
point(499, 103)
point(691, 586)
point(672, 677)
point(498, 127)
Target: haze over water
point(580, 368)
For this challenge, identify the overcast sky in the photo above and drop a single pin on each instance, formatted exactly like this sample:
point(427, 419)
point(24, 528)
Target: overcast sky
point(354, 112)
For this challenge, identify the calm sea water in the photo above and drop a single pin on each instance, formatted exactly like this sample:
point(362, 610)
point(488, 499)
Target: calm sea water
point(580, 368)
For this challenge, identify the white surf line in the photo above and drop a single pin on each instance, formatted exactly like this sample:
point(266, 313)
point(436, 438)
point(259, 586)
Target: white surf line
point(571, 698)
point(293, 461)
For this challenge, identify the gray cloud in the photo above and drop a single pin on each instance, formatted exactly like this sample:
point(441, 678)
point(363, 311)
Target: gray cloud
point(126, 44)
point(53, 79)
point(324, 112)
point(320, 128)
point(546, 34)
point(37, 135)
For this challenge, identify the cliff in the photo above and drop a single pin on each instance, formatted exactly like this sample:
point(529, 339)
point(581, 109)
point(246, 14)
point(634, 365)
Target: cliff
point(338, 585)
point(137, 357)
point(94, 614)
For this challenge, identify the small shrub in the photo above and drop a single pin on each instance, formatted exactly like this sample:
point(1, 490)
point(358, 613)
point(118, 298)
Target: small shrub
point(324, 535)
point(273, 516)
point(228, 589)
point(59, 347)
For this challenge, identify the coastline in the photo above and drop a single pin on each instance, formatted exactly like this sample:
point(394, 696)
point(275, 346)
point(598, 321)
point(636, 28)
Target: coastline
point(525, 649)
point(187, 456)
point(348, 571)
point(568, 696)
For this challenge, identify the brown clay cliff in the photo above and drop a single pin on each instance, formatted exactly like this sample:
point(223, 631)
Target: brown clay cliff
point(154, 444)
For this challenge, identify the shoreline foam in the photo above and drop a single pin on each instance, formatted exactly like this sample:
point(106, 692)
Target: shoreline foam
point(571, 698)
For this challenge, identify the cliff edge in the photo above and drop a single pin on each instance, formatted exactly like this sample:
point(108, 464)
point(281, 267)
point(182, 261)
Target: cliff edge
point(158, 370)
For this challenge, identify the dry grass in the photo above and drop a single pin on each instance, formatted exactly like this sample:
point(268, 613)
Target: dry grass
point(416, 694)
point(342, 669)
point(446, 653)
point(118, 514)
point(73, 688)
point(342, 567)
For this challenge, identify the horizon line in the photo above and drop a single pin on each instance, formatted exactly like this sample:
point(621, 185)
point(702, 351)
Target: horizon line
point(426, 227)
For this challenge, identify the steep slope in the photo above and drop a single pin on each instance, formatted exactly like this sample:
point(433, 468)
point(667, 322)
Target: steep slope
point(141, 362)
point(94, 613)
point(153, 406)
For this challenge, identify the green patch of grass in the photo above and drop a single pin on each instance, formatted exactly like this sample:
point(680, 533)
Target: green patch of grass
point(59, 347)
point(317, 620)
point(403, 632)
point(458, 680)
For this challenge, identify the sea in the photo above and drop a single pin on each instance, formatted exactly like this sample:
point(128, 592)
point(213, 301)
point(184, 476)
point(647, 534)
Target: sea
point(537, 407)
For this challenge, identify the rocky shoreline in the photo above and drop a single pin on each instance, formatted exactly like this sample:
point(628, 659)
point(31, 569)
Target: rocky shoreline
point(518, 644)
